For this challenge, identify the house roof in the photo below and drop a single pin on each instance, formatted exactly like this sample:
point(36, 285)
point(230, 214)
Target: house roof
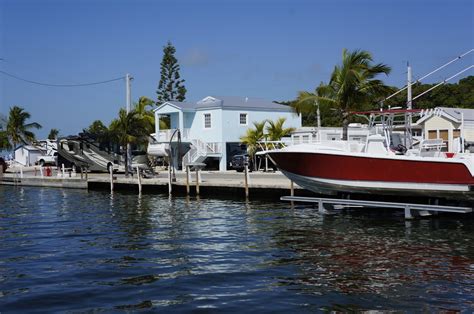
point(457, 113)
point(230, 103)
point(454, 114)
point(29, 148)
point(240, 102)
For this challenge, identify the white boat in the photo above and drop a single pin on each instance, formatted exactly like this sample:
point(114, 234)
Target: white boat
point(378, 166)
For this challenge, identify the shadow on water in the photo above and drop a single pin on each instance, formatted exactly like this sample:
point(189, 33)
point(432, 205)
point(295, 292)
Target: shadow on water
point(65, 250)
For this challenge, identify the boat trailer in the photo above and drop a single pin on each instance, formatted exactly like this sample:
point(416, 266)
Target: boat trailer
point(409, 208)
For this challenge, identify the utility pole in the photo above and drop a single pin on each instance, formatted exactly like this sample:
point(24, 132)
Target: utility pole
point(128, 88)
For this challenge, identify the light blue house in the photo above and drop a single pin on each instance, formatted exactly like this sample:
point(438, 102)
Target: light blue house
point(215, 124)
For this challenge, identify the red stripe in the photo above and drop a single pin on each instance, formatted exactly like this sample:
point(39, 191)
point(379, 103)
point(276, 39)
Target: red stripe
point(340, 167)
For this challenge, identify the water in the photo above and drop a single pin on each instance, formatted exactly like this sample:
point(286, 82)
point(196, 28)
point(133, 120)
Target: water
point(79, 251)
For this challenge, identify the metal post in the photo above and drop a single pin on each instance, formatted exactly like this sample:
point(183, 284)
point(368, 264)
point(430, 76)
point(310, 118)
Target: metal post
point(197, 180)
point(41, 172)
point(408, 213)
point(139, 180)
point(111, 172)
point(409, 107)
point(292, 188)
point(63, 170)
point(462, 133)
point(21, 172)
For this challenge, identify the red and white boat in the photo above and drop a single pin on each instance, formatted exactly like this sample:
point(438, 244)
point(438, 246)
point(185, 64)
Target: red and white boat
point(375, 167)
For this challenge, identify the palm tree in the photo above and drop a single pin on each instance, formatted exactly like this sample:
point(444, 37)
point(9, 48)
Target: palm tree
point(146, 115)
point(17, 130)
point(127, 129)
point(252, 137)
point(4, 143)
point(53, 134)
point(352, 86)
point(275, 129)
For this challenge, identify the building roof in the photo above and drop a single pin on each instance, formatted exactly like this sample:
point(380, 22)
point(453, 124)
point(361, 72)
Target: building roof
point(454, 114)
point(457, 113)
point(29, 148)
point(230, 103)
point(240, 102)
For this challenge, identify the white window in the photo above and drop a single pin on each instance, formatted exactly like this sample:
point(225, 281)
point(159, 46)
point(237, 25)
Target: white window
point(243, 118)
point(207, 120)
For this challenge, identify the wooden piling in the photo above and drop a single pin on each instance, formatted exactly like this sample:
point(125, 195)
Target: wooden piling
point(246, 180)
point(111, 171)
point(187, 180)
point(197, 180)
point(139, 180)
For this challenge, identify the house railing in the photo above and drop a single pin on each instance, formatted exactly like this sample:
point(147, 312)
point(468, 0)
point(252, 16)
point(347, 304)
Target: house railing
point(165, 135)
point(201, 150)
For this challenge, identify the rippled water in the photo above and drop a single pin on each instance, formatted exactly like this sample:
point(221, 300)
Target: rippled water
point(70, 250)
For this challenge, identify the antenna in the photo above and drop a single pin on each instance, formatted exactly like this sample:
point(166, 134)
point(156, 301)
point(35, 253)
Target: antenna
point(432, 72)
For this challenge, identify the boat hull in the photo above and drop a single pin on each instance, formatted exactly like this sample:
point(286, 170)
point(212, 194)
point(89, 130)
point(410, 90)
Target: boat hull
point(333, 173)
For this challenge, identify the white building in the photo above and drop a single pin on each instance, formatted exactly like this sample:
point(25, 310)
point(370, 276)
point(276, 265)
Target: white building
point(448, 124)
point(26, 155)
point(215, 124)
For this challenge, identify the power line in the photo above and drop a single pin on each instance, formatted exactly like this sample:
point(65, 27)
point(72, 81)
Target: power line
point(61, 85)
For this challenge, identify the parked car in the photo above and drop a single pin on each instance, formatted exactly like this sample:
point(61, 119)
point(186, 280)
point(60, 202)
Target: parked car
point(238, 162)
point(3, 164)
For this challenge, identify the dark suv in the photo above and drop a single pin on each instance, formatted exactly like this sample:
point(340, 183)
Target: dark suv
point(3, 164)
point(238, 163)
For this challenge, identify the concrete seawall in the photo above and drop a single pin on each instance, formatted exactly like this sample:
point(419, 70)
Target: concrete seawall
point(213, 184)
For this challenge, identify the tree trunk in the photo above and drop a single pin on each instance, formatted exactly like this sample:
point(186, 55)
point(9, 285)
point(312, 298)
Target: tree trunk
point(345, 125)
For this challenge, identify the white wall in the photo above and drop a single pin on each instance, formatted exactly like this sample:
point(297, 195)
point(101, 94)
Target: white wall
point(232, 130)
point(213, 134)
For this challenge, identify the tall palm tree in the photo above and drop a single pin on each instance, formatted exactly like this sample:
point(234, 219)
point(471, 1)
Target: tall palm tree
point(275, 129)
point(18, 131)
point(127, 129)
point(252, 137)
point(353, 86)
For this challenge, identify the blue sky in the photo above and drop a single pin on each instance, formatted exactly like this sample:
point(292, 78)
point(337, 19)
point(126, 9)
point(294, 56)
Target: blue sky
point(259, 48)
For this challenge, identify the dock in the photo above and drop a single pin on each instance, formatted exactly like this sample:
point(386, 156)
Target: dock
point(211, 183)
point(228, 184)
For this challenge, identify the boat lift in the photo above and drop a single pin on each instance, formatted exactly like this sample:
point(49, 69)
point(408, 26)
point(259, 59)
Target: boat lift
point(409, 208)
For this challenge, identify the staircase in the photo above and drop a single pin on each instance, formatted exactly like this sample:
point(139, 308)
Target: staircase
point(201, 150)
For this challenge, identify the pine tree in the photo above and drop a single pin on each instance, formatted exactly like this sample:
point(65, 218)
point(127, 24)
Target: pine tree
point(171, 86)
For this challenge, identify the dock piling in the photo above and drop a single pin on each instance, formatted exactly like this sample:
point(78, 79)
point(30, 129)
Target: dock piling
point(187, 180)
point(111, 172)
point(139, 180)
point(246, 180)
point(197, 180)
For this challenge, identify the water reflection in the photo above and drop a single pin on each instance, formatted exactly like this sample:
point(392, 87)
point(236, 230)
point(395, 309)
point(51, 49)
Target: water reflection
point(65, 250)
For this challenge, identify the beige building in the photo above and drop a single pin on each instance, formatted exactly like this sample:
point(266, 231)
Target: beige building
point(448, 124)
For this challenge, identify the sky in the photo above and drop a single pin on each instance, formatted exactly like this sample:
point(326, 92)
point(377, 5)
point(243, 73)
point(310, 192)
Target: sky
point(258, 48)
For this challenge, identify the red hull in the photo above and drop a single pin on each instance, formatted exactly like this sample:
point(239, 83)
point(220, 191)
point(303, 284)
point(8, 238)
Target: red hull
point(342, 167)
